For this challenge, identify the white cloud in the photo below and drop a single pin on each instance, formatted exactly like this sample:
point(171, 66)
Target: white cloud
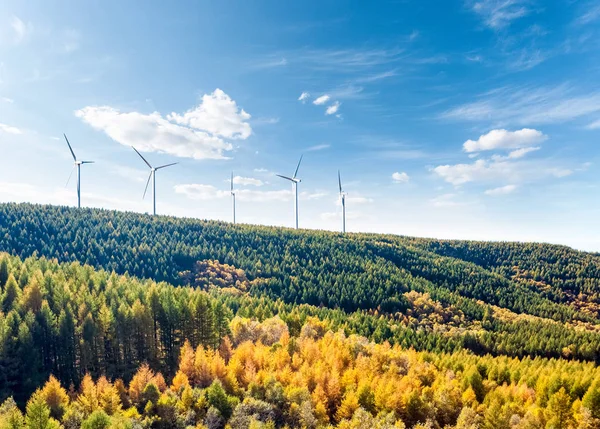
point(246, 181)
point(321, 100)
point(503, 139)
point(318, 147)
point(400, 177)
point(500, 13)
point(333, 108)
point(218, 114)
point(10, 130)
point(197, 133)
point(481, 169)
point(502, 190)
point(261, 170)
point(20, 28)
point(7, 100)
point(153, 133)
point(303, 97)
point(500, 169)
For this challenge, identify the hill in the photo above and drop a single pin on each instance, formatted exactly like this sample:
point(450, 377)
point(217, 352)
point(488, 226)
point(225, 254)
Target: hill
point(501, 298)
point(136, 354)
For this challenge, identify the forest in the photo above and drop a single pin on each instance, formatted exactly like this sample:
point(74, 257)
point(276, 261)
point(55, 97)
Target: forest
point(110, 351)
point(130, 320)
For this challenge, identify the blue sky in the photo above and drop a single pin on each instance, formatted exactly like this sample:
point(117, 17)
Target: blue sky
point(454, 119)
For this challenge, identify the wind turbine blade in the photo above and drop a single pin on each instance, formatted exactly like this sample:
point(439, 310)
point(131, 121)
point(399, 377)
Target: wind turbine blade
point(285, 177)
point(147, 183)
point(69, 179)
point(166, 165)
point(70, 148)
point(232, 181)
point(298, 166)
point(340, 181)
point(136, 151)
point(87, 162)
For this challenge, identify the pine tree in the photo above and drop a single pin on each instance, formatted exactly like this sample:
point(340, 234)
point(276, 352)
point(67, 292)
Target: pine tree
point(38, 414)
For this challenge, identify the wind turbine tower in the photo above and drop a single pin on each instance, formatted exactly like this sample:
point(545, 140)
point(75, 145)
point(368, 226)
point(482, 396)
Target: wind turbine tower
point(77, 164)
point(152, 176)
point(295, 182)
point(233, 197)
point(343, 200)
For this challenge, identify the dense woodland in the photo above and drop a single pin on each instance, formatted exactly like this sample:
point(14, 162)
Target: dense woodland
point(266, 378)
point(372, 279)
point(113, 305)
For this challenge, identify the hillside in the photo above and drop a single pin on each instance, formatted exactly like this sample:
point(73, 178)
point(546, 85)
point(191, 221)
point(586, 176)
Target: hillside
point(125, 353)
point(432, 295)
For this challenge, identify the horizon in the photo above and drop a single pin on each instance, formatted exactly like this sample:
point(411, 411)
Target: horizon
point(459, 120)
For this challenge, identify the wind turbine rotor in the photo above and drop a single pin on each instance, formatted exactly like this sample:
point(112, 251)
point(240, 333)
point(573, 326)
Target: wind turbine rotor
point(136, 151)
point(147, 183)
point(298, 167)
point(166, 165)
point(286, 178)
point(70, 148)
point(70, 175)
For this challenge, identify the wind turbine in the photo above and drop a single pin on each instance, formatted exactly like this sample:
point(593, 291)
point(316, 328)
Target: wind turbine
point(152, 176)
point(343, 200)
point(295, 182)
point(233, 197)
point(77, 164)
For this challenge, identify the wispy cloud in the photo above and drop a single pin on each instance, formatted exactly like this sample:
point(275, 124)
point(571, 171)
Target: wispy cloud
point(528, 105)
point(20, 28)
point(594, 125)
point(526, 58)
point(197, 191)
point(202, 192)
point(498, 14)
point(591, 13)
point(71, 40)
point(348, 60)
point(9, 129)
point(271, 62)
point(318, 147)
point(446, 200)
point(501, 190)
point(376, 76)
point(7, 100)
